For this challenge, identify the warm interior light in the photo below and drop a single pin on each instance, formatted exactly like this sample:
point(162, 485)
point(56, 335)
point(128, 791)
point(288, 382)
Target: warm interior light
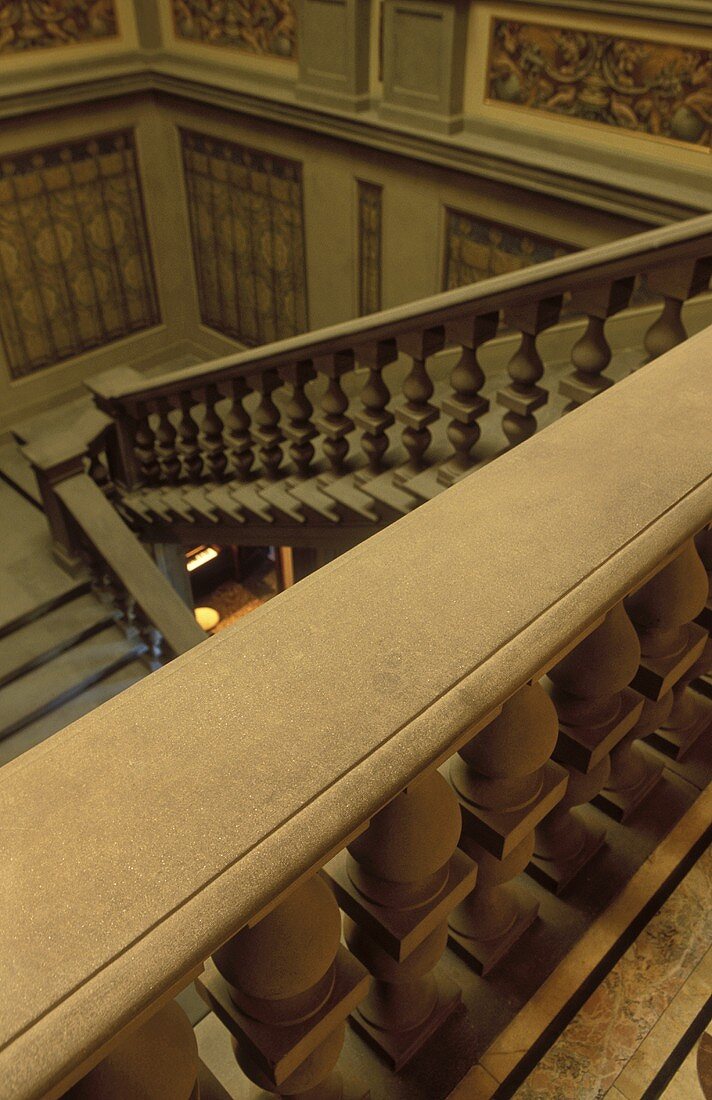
point(207, 617)
point(204, 554)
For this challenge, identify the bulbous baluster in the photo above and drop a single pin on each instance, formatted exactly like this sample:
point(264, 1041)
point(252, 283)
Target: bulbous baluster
point(157, 1061)
point(662, 611)
point(506, 783)
point(676, 282)
point(144, 448)
point(375, 418)
point(166, 445)
point(417, 412)
point(237, 428)
point(332, 421)
point(299, 427)
point(596, 709)
point(100, 475)
point(284, 987)
point(188, 440)
point(213, 445)
point(524, 396)
point(397, 883)
point(265, 430)
point(591, 353)
point(466, 405)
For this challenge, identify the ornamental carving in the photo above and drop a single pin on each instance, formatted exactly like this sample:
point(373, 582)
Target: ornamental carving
point(38, 24)
point(648, 87)
point(264, 27)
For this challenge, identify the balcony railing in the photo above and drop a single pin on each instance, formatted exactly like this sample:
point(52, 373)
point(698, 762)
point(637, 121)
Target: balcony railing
point(400, 735)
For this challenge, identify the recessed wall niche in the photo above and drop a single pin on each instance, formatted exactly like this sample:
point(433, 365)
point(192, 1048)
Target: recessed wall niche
point(247, 230)
point(75, 262)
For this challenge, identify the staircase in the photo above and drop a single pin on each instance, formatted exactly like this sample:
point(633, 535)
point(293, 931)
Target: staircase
point(62, 651)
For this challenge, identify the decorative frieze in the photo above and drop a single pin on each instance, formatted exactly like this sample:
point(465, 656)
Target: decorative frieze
point(648, 87)
point(267, 28)
point(31, 25)
point(75, 262)
point(248, 238)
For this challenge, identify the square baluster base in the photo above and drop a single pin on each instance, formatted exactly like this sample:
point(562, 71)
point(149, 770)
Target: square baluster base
point(352, 1090)
point(556, 874)
point(621, 804)
point(484, 955)
point(676, 743)
point(399, 1047)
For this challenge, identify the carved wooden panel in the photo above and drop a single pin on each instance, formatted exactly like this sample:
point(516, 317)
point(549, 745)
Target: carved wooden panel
point(264, 27)
point(75, 262)
point(647, 87)
point(478, 249)
point(247, 230)
point(37, 24)
point(370, 202)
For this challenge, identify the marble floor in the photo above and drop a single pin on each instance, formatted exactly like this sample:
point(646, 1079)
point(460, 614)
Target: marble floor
point(642, 1032)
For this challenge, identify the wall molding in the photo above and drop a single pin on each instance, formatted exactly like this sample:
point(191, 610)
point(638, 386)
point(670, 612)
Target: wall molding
point(539, 163)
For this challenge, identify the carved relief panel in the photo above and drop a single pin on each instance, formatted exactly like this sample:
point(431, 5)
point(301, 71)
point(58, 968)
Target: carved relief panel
point(75, 262)
point(267, 28)
point(41, 24)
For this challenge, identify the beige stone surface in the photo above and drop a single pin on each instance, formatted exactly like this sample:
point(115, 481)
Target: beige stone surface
point(180, 809)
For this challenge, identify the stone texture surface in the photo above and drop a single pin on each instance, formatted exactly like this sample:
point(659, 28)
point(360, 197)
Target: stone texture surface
point(155, 866)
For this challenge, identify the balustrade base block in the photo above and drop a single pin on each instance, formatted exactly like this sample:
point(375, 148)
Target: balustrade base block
point(398, 1048)
point(620, 805)
point(584, 748)
point(657, 675)
point(486, 954)
point(350, 1090)
point(677, 743)
point(279, 1050)
point(557, 874)
point(499, 832)
point(400, 931)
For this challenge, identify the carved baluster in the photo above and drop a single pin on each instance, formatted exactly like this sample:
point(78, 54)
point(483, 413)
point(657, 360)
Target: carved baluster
point(237, 428)
point(506, 783)
point(466, 405)
point(166, 450)
point(591, 353)
point(265, 430)
point(397, 883)
point(213, 444)
point(188, 435)
point(524, 396)
point(596, 709)
point(662, 611)
point(417, 412)
point(375, 418)
point(158, 1059)
point(284, 987)
point(100, 475)
point(299, 427)
point(676, 282)
point(144, 448)
point(332, 420)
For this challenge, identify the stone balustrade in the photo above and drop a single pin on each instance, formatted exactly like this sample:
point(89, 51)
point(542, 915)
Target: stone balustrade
point(400, 737)
point(263, 414)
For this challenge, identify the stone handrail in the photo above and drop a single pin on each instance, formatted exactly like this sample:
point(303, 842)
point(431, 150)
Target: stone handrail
point(261, 414)
point(139, 839)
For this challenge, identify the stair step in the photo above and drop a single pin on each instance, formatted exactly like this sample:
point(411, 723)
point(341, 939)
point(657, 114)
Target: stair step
point(309, 493)
point(382, 489)
point(247, 496)
point(196, 497)
point(175, 501)
point(49, 635)
point(347, 493)
point(16, 470)
point(278, 495)
point(137, 504)
point(49, 686)
point(424, 486)
point(223, 499)
point(112, 684)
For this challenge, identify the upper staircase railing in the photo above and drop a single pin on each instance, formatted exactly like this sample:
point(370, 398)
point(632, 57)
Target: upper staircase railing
point(289, 409)
point(192, 815)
